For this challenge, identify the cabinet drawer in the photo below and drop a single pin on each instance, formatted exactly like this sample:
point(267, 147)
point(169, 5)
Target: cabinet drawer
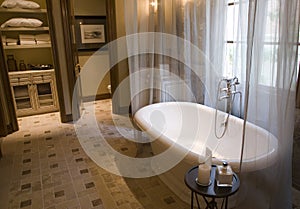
point(41, 78)
point(20, 80)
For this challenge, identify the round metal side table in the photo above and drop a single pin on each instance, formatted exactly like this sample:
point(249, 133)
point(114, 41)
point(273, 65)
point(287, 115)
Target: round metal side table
point(211, 191)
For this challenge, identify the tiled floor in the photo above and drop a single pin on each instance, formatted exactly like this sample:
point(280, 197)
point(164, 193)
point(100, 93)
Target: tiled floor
point(44, 166)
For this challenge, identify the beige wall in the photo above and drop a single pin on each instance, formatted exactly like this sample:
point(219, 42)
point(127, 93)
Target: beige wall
point(98, 66)
point(101, 63)
point(90, 7)
point(124, 96)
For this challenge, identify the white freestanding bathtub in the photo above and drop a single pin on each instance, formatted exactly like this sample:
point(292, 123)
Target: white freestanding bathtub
point(185, 129)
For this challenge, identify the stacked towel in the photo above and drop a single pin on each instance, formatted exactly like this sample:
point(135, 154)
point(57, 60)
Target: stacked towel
point(3, 38)
point(11, 41)
point(26, 39)
point(42, 39)
point(30, 39)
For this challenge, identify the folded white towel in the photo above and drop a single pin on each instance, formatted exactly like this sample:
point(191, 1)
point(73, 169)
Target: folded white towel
point(42, 37)
point(11, 40)
point(43, 42)
point(11, 43)
point(23, 42)
point(26, 37)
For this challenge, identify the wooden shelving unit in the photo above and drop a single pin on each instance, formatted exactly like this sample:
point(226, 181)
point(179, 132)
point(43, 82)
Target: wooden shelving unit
point(34, 91)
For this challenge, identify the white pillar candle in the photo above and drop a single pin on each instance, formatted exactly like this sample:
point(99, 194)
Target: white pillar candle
point(204, 174)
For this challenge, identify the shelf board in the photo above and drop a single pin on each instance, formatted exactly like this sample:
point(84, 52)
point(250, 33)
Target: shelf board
point(23, 98)
point(45, 96)
point(28, 46)
point(46, 101)
point(24, 29)
point(24, 107)
point(20, 10)
point(29, 71)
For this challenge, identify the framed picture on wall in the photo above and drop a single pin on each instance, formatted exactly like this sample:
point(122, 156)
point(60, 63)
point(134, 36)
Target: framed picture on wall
point(90, 32)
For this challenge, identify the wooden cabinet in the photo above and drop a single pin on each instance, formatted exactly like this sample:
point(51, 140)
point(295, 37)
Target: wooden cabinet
point(34, 91)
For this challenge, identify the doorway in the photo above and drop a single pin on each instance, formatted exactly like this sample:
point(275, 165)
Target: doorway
point(27, 63)
point(90, 32)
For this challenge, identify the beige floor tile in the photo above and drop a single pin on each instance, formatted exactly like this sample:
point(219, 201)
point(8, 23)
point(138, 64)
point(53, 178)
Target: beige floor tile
point(58, 174)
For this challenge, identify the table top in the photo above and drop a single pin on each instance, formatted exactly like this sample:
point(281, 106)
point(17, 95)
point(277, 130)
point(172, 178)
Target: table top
point(212, 190)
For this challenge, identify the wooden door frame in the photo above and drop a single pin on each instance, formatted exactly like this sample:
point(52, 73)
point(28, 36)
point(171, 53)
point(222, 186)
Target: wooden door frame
point(112, 35)
point(8, 117)
point(64, 75)
point(117, 71)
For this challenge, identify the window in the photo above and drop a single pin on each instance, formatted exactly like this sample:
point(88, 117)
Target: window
point(236, 36)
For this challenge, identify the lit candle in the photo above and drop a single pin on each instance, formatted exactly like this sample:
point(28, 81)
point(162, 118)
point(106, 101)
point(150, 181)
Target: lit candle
point(204, 174)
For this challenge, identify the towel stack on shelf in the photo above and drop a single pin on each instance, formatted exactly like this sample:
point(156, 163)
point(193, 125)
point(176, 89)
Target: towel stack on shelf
point(42, 39)
point(27, 39)
point(9, 41)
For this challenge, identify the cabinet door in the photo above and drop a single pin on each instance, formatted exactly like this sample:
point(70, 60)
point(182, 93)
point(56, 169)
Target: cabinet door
point(44, 95)
point(23, 100)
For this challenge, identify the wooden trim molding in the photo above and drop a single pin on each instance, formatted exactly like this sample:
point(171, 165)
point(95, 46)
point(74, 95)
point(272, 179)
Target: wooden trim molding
point(64, 56)
point(58, 77)
point(66, 118)
point(117, 71)
point(98, 97)
point(112, 35)
point(8, 117)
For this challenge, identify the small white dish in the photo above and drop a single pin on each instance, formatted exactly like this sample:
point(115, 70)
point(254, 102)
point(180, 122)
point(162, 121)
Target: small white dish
point(203, 185)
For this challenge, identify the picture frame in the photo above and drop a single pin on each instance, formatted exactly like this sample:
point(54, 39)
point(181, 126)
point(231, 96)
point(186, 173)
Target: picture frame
point(90, 32)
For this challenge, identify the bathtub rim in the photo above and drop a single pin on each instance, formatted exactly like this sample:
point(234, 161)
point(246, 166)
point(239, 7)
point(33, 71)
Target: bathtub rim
point(249, 164)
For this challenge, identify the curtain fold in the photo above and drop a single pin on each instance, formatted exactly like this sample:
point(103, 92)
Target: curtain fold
point(270, 81)
point(188, 20)
point(255, 40)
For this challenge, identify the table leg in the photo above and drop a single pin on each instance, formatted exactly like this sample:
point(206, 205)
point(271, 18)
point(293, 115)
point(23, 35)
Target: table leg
point(197, 200)
point(192, 200)
point(226, 202)
point(207, 203)
point(212, 204)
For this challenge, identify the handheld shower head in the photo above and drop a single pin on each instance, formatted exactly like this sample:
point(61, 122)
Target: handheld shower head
point(236, 81)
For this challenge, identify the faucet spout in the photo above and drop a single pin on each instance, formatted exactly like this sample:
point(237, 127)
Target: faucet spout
point(227, 93)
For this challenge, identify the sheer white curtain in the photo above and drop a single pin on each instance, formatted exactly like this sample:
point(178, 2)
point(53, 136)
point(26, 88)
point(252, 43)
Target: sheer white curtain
point(255, 40)
point(264, 57)
point(185, 75)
